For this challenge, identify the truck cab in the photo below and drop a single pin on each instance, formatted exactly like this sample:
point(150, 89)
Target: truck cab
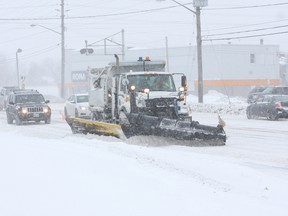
point(151, 86)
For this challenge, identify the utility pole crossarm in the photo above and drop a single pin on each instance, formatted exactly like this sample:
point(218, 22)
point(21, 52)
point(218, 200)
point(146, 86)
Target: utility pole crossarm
point(184, 6)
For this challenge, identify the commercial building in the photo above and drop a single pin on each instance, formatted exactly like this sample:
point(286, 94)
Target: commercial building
point(230, 69)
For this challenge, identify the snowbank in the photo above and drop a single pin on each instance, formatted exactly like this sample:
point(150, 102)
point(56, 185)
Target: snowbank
point(215, 102)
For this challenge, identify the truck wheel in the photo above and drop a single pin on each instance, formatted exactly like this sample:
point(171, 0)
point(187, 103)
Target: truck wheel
point(97, 116)
point(123, 120)
point(9, 119)
point(18, 120)
point(125, 125)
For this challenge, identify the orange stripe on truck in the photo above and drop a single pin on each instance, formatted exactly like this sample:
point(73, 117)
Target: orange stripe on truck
point(244, 82)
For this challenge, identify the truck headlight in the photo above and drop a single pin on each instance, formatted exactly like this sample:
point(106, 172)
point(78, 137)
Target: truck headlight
point(132, 87)
point(82, 108)
point(146, 90)
point(181, 89)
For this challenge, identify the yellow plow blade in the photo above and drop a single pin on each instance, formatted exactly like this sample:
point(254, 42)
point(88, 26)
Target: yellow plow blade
point(79, 125)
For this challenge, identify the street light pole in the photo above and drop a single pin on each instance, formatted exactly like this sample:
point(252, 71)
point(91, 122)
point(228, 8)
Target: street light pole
point(197, 4)
point(62, 50)
point(17, 66)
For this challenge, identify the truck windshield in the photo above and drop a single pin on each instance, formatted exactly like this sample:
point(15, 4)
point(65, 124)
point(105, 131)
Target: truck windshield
point(154, 82)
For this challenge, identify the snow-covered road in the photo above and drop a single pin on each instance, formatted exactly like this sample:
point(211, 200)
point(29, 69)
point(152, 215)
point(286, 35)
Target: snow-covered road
point(46, 170)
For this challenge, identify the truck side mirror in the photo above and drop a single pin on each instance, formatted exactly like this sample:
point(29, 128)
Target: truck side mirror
point(125, 81)
point(184, 82)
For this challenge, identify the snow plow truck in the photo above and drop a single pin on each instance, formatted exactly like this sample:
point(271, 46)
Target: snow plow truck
point(139, 98)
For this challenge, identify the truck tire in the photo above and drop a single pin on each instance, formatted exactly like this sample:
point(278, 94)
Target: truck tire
point(97, 116)
point(123, 120)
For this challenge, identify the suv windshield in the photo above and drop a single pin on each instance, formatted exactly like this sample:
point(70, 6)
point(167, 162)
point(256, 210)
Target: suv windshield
point(32, 98)
point(154, 82)
point(276, 90)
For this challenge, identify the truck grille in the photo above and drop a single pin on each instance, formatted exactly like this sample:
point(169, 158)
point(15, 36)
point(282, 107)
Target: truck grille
point(35, 109)
point(161, 102)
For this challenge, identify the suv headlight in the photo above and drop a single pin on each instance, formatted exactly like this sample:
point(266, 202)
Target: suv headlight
point(24, 110)
point(46, 109)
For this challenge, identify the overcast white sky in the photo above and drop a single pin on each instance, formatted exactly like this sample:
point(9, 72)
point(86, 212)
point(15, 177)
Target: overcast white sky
point(146, 23)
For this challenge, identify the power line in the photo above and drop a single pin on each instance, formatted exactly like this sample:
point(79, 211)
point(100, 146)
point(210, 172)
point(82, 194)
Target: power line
point(137, 12)
point(94, 16)
point(231, 38)
point(248, 7)
point(22, 7)
point(241, 26)
point(245, 31)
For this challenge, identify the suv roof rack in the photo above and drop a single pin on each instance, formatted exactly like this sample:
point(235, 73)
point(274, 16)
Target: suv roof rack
point(19, 91)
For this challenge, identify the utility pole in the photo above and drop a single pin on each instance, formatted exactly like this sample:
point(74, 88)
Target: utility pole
point(167, 54)
point(197, 4)
point(123, 45)
point(62, 94)
point(199, 56)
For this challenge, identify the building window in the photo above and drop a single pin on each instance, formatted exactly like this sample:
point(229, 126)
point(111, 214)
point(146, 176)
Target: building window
point(252, 58)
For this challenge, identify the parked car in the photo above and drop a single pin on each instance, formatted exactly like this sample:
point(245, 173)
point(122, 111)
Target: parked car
point(77, 105)
point(4, 95)
point(275, 90)
point(271, 107)
point(27, 105)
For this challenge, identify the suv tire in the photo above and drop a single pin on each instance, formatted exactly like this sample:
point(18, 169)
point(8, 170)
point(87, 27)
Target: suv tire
point(9, 119)
point(48, 121)
point(18, 120)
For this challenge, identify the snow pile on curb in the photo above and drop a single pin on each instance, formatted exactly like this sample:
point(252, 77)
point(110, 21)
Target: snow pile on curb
point(215, 102)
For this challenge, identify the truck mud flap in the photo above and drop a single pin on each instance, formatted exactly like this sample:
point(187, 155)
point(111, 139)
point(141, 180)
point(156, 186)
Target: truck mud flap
point(180, 130)
point(84, 126)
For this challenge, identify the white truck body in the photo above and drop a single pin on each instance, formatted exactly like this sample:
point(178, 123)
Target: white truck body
point(109, 93)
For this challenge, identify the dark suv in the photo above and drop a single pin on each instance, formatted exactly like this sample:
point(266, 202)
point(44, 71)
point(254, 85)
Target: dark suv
point(270, 90)
point(27, 105)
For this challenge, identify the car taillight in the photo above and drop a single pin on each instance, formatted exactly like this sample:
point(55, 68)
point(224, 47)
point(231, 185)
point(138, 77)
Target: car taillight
point(279, 105)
